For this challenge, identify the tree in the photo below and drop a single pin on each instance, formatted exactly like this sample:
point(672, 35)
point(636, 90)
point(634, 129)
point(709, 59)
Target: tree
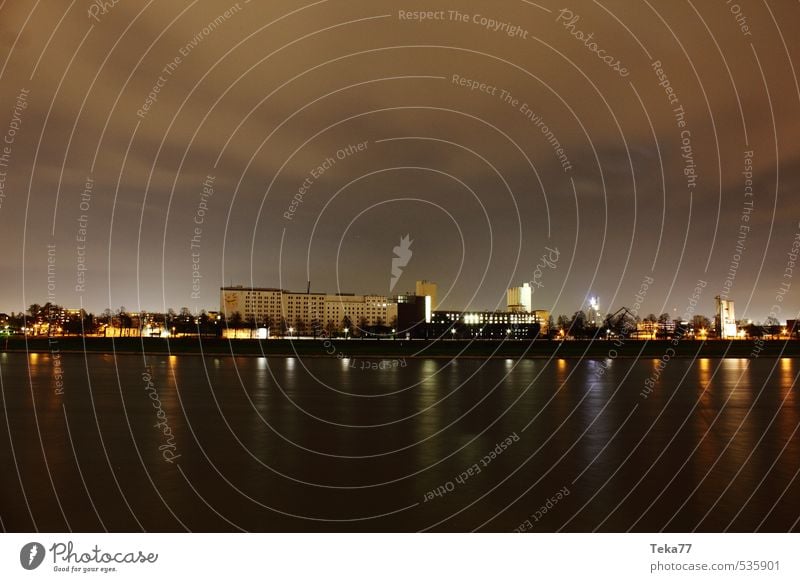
point(563, 323)
point(701, 322)
point(663, 321)
point(106, 320)
point(347, 325)
point(203, 323)
point(577, 325)
point(330, 328)
point(235, 320)
point(125, 322)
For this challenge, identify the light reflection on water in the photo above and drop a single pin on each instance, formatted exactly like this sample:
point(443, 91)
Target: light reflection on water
point(707, 425)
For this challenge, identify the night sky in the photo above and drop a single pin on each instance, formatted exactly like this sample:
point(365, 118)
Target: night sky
point(626, 153)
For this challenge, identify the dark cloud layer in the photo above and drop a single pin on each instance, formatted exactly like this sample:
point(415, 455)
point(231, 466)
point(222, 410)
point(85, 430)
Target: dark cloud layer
point(265, 94)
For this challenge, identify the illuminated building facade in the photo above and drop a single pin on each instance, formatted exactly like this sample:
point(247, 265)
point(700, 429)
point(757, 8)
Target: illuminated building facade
point(304, 311)
point(429, 289)
point(489, 324)
point(520, 299)
point(725, 319)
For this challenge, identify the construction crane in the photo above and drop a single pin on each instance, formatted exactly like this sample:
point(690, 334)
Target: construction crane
point(616, 321)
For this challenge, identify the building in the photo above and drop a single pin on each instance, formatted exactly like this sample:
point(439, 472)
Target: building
point(272, 308)
point(283, 312)
point(428, 289)
point(490, 324)
point(593, 316)
point(520, 299)
point(413, 315)
point(360, 310)
point(725, 321)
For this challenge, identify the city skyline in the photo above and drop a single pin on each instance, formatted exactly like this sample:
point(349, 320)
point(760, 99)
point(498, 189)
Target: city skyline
point(595, 314)
point(469, 152)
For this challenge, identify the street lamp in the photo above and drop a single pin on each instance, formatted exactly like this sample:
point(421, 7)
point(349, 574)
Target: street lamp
point(346, 331)
point(453, 332)
point(291, 331)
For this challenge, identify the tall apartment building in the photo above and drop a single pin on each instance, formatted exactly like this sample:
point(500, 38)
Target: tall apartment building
point(430, 289)
point(373, 309)
point(520, 299)
point(269, 307)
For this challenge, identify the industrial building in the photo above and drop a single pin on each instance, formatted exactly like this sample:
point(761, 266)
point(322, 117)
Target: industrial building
point(489, 324)
point(725, 321)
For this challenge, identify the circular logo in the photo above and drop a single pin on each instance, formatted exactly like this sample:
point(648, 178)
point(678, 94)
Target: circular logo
point(31, 555)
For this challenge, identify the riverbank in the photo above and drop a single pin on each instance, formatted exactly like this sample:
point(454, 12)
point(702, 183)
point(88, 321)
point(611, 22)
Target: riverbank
point(383, 349)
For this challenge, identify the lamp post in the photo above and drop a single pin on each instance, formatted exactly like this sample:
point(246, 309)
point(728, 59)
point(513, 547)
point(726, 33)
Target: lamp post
point(346, 331)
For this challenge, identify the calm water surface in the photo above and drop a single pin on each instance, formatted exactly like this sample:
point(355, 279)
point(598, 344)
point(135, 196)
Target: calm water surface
point(280, 444)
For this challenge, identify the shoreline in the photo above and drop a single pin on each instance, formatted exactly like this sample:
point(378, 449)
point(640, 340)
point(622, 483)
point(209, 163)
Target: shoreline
point(401, 349)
